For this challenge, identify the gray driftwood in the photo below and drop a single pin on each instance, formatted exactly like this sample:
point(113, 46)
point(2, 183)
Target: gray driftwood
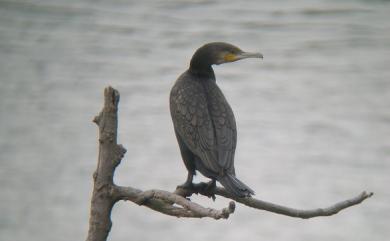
point(106, 193)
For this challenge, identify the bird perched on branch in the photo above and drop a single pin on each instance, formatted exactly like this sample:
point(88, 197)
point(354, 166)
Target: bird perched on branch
point(203, 120)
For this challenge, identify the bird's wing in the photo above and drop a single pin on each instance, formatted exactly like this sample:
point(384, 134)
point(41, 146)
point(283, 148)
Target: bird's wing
point(225, 127)
point(192, 121)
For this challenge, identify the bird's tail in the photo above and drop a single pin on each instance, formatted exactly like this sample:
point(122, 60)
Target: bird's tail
point(235, 186)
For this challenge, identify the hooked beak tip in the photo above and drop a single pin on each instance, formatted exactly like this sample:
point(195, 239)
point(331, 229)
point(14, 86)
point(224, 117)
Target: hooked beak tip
point(259, 55)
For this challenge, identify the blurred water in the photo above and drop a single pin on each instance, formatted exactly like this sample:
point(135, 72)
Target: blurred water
point(313, 117)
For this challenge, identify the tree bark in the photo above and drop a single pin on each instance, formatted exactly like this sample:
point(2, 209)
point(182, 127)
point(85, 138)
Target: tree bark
point(110, 154)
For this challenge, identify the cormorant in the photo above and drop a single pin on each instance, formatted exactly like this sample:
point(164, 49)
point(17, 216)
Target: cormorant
point(203, 120)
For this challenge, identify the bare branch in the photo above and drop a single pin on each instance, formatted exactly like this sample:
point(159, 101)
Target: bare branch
point(275, 208)
point(163, 201)
point(106, 193)
point(110, 154)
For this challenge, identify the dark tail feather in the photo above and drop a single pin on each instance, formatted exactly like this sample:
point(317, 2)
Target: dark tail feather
point(235, 186)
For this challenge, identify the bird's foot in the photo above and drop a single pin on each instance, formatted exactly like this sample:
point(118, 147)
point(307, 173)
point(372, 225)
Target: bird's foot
point(186, 186)
point(209, 189)
point(185, 190)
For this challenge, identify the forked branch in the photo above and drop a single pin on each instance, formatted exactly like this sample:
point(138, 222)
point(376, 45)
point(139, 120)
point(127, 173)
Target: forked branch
point(163, 201)
point(106, 193)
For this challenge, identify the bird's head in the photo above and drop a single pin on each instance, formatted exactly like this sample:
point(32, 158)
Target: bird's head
point(219, 53)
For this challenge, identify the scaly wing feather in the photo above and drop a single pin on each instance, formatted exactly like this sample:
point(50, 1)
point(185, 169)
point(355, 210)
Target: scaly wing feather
point(192, 121)
point(225, 127)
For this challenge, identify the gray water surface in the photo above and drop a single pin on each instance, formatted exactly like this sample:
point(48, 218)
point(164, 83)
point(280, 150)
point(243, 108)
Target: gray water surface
point(313, 117)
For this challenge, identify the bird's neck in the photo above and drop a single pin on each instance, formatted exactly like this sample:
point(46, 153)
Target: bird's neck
point(205, 73)
point(202, 69)
point(201, 64)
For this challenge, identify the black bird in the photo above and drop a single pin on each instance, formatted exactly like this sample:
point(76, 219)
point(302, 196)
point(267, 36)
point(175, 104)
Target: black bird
point(203, 120)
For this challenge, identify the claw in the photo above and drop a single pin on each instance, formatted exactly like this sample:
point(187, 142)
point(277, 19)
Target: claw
point(209, 188)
